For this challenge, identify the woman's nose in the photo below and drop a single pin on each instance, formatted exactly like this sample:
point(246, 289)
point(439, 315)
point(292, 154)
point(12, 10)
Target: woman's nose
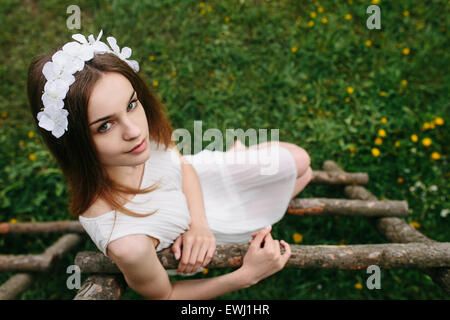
point(132, 129)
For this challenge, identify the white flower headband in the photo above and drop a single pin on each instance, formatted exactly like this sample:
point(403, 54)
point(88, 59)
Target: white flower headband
point(59, 74)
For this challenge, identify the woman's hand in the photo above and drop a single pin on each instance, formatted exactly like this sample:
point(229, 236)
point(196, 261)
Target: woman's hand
point(198, 244)
point(259, 263)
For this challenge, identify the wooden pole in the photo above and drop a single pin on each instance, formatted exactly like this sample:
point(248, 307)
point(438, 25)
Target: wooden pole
point(102, 287)
point(15, 285)
point(345, 207)
point(40, 262)
point(352, 257)
point(395, 229)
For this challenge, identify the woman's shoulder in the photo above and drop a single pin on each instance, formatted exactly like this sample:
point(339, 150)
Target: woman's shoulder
point(98, 208)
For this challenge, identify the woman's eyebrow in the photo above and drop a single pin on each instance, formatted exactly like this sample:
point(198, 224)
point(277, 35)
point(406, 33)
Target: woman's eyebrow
point(112, 115)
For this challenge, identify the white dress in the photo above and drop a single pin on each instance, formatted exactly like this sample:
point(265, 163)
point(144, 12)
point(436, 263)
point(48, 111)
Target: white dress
point(243, 191)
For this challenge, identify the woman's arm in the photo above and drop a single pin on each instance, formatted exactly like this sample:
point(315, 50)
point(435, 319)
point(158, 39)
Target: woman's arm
point(136, 257)
point(193, 191)
point(198, 242)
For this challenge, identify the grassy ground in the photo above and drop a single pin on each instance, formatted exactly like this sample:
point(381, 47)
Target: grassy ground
point(374, 101)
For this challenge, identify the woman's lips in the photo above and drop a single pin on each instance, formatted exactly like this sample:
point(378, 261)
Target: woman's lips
point(138, 147)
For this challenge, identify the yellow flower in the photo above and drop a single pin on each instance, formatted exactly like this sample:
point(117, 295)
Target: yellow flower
point(352, 149)
point(31, 134)
point(368, 43)
point(384, 120)
point(415, 224)
point(397, 144)
point(375, 1)
point(350, 90)
point(414, 138)
point(4, 115)
point(347, 99)
point(155, 83)
point(209, 8)
point(313, 15)
point(382, 133)
point(432, 126)
point(383, 93)
point(435, 156)
point(324, 20)
point(304, 99)
point(151, 58)
point(173, 74)
point(406, 51)
point(297, 237)
point(400, 180)
point(203, 11)
point(426, 142)
point(13, 221)
point(426, 126)
point(294, 49)
point(201, 4)
point(439, 121)
point(358, 286)
point(32, 157)
point(378, 141)
point(406, 13)
point(310, 23)
point(21, 143)
point(205, 271)
point(211, 75)
point(320, 9)
point(404, 82)
point(227, 19)
point(36, 141)
point(420, 26)
point(375, 152)
point(348, 16)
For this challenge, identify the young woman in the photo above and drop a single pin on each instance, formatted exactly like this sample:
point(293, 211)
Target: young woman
point(132, 190)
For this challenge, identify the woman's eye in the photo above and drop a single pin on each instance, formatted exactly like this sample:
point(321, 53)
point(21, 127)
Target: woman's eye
point(102, 126)
point(132, 102)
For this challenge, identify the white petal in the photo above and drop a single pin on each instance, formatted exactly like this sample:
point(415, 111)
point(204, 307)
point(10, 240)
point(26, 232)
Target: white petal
point(72, 48)
point(101, 47)
point(91, 39)
point(58, 131)
point(48, 70)
point(46, 122)
point(113, 44)
point(100, 35)
point(133, 64)
point(86, 53)
point(126, 52)
point(79, 37)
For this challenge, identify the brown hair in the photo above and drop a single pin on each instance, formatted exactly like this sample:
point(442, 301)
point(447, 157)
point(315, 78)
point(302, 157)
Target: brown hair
point(75, 151)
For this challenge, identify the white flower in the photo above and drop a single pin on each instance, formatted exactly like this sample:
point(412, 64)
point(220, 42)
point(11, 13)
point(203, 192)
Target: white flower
point(54, 93)
point(433, 188)
point(65, 63)
point(53, 119)
point(96, 45)
point(124, 54)
point(53, 72)
point(444, 213)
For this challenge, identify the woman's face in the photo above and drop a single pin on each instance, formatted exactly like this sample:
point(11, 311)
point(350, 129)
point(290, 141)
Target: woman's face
point(117, 121)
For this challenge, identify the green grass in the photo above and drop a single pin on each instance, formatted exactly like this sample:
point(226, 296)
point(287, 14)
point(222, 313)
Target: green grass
point(245, 74)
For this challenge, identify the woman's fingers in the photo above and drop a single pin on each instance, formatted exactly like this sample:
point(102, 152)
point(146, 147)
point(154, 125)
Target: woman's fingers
point(200, 259)
point(287, 251)
point(187, 247)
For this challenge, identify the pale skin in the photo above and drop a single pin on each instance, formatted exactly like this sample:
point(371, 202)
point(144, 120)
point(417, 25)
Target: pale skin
point(135, 255)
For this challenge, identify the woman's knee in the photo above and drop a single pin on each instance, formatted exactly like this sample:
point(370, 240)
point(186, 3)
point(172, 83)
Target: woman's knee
point(301, 158)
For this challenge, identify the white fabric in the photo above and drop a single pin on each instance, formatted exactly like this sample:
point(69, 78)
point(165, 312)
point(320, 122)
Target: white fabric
point(241, 194)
